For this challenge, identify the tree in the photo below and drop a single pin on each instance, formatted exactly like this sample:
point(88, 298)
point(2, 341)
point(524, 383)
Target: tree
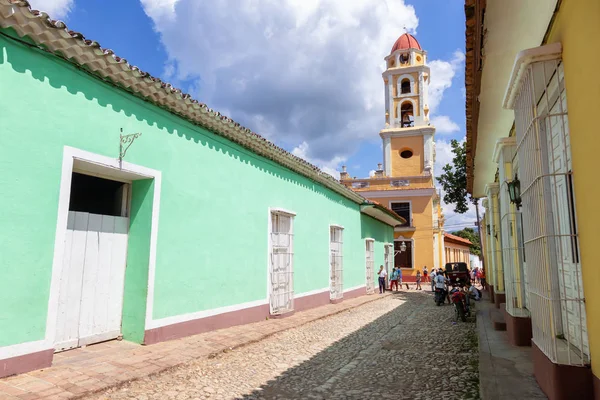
point(472, 235)
point(454, 179)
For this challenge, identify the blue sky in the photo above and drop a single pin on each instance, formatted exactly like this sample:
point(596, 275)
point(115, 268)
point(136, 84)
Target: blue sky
point(306, 74)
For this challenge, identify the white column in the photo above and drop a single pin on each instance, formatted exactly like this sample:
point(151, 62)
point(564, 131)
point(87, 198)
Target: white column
point(387, 99)
point(387, 156)
point(428, 152)
point(420, 120)
point(390, 100)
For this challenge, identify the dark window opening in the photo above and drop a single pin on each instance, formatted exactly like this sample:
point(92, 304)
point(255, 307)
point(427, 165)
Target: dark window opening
point(521, 236)
point(97, 195)
point(405, 86)
point(404, 58)
point(572, 215)
point(403, 210)
point(406, 154)
point(403, 259)
point(406, 114)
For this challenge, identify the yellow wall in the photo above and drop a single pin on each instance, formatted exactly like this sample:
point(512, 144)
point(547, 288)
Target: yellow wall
point(577, 27)
point(408, 166)
point(457, 253)
point(421, 211)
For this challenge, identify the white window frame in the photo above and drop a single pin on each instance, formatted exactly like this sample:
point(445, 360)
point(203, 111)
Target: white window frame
point(270, 294)
point(399, 85)
point(370, 289)
point(336, 288)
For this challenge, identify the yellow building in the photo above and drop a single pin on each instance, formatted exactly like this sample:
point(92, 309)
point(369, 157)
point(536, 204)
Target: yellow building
point(532, 152)
point(405, 181)
point(457, 249)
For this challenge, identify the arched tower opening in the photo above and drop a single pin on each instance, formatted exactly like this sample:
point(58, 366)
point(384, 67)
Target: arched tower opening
point(407, 115)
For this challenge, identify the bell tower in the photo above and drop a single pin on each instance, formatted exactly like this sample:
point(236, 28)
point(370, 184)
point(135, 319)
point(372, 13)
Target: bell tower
point(406, 88)
point(404, 181)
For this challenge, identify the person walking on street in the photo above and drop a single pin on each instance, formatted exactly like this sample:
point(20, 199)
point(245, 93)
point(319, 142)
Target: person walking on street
point(418, 281)
point(425, 272)
point(382, 275)
point(433, 275)
point(394, 279)
point(482, 279)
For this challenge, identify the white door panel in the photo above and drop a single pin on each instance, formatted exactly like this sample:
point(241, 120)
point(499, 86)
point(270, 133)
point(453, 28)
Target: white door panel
point(92, 280)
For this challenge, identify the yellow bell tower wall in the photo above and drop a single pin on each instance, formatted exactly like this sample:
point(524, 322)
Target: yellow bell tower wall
point(412, 166)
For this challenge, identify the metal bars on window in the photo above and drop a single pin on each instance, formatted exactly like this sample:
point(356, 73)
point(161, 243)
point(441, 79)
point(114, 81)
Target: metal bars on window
point(281, 263)
point(369, 257)
point(549, 217)
point(511, 256)
point(336, 268)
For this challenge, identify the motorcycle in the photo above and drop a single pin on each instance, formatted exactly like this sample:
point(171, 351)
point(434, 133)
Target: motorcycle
point(461, 305)
point(440, 296)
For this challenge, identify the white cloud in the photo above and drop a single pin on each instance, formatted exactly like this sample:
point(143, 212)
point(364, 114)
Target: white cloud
point(56, 9)
point(330, 167)
point(442, 74)
point(160, 9)
point(303, 73)
point(443, 124)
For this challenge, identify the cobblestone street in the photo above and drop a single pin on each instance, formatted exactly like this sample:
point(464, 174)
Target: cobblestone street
point(400, 347)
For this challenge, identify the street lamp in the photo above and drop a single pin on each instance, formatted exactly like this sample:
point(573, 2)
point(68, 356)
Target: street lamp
point(514, 191)
point(402, 248)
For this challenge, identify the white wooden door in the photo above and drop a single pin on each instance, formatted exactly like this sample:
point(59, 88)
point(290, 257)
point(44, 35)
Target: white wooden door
point(388, 257)
point(336, 269)
point(281, 264)
point(93, 275)
point(369, 267)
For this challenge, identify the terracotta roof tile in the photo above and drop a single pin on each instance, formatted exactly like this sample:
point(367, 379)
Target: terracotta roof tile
point(406, 41)
point(457, 238)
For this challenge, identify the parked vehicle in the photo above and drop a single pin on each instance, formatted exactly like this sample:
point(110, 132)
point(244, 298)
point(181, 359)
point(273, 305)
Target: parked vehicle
point(440, 296)
point(461, 306)
point(457, 272)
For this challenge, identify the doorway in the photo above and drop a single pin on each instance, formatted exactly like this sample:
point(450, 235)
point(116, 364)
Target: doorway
point(90, 300)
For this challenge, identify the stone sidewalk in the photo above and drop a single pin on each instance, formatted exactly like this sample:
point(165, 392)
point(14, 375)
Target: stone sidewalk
point(104, 365)
point(505, 371)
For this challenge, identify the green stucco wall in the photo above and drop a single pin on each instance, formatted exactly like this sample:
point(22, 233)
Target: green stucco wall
point(212, 236)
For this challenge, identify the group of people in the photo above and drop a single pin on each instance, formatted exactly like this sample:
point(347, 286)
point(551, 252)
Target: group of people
point(437, 279)
point(395, 279)
point(478, 276)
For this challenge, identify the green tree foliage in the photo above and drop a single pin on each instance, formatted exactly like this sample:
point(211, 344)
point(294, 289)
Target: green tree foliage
point(454, 179)
point(472, 235)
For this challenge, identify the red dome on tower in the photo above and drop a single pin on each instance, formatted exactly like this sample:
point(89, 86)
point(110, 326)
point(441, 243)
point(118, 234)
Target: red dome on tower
point(406, 41)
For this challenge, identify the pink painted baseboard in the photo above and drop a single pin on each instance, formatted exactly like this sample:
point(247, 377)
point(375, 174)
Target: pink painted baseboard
point(239, 317)
point(26, 363)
